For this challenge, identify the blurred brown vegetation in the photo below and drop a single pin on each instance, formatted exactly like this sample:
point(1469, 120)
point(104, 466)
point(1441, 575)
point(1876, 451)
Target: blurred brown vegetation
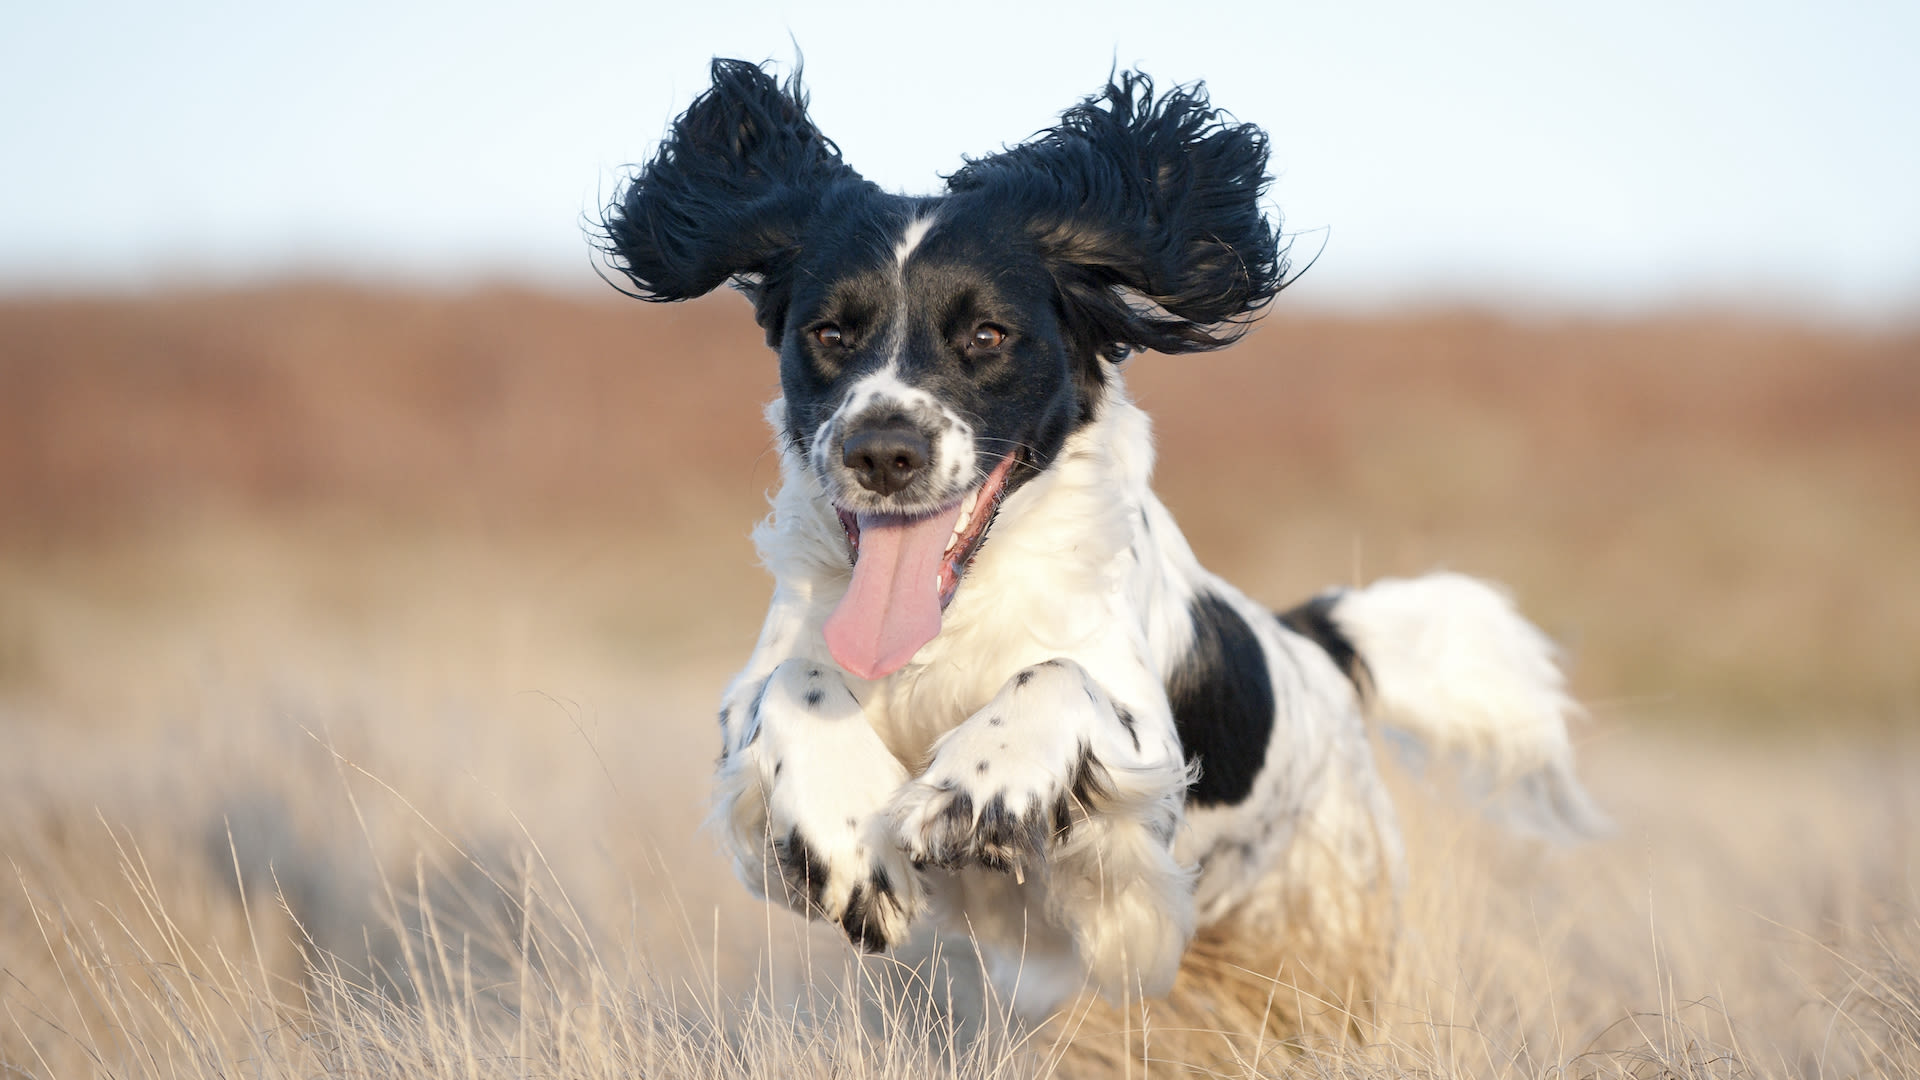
point(1718, 515)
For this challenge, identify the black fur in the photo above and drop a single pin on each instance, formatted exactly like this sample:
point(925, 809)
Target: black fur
point(804, 872)
point(1002, 838)
point(1134, 223)
point(1090, 783)
point(1222, 702)
point(1313, 620)
point(1156, 196)
point(1125, 717)
point(729, 192)
point(753, 711)
point(859, 921)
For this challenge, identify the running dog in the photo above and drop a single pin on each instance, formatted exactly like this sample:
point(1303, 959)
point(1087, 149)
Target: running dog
point(995, 689)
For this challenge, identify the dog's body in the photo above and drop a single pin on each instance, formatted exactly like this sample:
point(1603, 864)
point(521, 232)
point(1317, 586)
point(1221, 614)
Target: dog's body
point(1071, 745)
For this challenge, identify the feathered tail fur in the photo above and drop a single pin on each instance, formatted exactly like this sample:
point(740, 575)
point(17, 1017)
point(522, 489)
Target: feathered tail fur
point(1454, 671)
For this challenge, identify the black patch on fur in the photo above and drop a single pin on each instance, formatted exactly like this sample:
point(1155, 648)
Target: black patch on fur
point(805, 874)
point(1313, 620)
point(1062, 819)
point(998, 835)
point(1222, 702)
point(954, 821)
point(860, 921)
point(753, 710)
point(861, 930)
point(1022, 679)
point(813, 698)
point(1087, 785)
point(995, 721)
point(983, 767)
point(1121, 714)
point(1090, 783)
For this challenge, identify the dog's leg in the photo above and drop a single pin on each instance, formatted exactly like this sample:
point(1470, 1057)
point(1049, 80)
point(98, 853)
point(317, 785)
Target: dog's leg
point(1055, 779)
point(799, 799)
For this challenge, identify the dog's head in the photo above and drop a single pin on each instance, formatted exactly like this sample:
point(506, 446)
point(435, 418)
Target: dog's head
point(936, 352)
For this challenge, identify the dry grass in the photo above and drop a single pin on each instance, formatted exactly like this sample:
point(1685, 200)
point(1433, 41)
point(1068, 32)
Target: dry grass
point(356, 654)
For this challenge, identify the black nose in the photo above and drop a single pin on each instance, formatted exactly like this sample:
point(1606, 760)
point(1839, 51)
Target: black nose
point(886, 458)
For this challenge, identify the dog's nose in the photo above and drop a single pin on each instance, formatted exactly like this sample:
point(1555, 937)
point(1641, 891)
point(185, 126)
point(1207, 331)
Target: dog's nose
point(886, 458)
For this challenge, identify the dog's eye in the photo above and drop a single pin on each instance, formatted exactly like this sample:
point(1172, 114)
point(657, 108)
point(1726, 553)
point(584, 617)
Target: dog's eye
point(830, 335)
point(987, 336)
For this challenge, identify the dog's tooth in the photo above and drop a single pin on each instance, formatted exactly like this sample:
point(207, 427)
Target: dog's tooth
point(959, 529)
point(966, 508)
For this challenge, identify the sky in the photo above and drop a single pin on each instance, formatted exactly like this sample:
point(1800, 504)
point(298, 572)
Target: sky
point(1601, 157)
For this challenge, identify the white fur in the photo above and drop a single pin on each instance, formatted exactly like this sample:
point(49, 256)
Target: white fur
point(955, 460)
point(1083, 586)
point(805, 760)
point(1457, 668)
point(910, 238)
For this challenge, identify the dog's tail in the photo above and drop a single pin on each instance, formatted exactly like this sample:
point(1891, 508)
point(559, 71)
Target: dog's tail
point(1449, 668)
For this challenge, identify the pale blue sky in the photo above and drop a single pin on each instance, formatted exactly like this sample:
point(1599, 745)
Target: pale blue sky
point(1598, 156)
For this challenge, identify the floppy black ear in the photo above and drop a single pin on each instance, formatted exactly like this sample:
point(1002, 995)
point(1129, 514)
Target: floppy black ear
point(729, 191)
point(1154, 197)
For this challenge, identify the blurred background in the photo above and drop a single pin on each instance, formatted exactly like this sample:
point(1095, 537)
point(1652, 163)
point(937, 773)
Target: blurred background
point(1618, 305)
point(326, 458)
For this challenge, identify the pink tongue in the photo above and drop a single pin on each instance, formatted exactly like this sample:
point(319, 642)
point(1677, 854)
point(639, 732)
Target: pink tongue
point(893, 606)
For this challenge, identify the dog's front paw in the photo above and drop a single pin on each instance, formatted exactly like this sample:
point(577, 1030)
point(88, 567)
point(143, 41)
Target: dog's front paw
point(999, 791)
point(827, 779)
point(951, 825)
point(868, 890)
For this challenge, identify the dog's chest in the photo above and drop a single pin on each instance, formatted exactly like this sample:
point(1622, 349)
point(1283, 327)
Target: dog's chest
point(1009, 622)
point(910, 711)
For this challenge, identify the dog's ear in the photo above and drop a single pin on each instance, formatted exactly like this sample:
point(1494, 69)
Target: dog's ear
point(1149, 211)
point(729, 192)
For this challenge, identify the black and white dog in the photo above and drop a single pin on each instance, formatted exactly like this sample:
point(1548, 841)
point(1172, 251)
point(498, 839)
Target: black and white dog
point(995, 689)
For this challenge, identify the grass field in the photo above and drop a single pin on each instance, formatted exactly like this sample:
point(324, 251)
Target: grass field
point(387, 627)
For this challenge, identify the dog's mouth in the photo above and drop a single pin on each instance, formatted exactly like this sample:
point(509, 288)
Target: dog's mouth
point(906, 570)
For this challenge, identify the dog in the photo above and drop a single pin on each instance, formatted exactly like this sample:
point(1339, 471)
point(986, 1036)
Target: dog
point(995, 693)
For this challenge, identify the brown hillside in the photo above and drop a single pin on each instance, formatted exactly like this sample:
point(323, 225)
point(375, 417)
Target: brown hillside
point(1715, 512)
